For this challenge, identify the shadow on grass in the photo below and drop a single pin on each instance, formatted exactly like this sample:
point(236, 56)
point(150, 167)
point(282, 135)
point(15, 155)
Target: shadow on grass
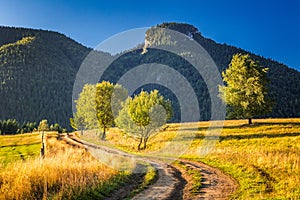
point(236, 137)
point(16, 145)
point(257, 136)
point(254, 125)
point(260, 124)
point(239, 136)
point(186, 129)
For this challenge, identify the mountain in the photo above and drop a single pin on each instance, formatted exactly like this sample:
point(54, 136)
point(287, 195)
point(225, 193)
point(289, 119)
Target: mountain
point(38, 69)
point(37, 72)
point(284, 81)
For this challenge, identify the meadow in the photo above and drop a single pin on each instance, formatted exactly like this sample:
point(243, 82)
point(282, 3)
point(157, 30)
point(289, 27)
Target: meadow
point(66, 171)
point(19, 147)
point(263, 158)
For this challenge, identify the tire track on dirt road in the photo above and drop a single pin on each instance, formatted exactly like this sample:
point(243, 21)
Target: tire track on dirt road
point(173, 183)
point(215, 184)
point(169, 184)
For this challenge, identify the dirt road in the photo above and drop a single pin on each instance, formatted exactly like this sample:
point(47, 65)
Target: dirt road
point(173, 182)
point(215, 184)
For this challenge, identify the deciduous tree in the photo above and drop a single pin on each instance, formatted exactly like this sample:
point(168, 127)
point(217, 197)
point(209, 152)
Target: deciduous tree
point(108, 101)
point(246, 91)
point(143, 115)
point(86, 115)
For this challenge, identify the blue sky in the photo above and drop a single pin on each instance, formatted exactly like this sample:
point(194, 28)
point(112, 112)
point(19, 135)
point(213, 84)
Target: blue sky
point(268, 28)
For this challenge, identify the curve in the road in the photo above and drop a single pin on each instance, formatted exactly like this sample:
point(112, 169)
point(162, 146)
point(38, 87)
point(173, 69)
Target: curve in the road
point(171, 182)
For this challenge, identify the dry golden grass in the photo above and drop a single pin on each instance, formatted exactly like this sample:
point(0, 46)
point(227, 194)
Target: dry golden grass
point(66, 172)
point(264, 158)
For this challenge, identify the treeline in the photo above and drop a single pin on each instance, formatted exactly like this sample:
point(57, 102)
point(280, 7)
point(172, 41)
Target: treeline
point(12, 126)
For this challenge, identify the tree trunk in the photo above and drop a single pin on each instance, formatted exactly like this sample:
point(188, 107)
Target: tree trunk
point(139, 146)
point(250, 121)
point(103, 135)
point(145, 142)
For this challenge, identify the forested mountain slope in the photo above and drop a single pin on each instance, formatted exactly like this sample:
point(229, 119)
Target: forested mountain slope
point(38, 69)
point(284, 82)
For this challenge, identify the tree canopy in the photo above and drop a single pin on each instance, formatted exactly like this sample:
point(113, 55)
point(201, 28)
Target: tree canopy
point(43, 125)
point(86, 116)
point(108, 102)
point(246, 91)
point(97, 106)
point(143, 115)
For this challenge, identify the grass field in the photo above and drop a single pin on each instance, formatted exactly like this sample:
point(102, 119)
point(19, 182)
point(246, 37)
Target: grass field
point(264, 158)
point(66, 172)
point(19, 147)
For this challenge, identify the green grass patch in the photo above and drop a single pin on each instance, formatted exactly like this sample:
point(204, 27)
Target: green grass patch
point(15, 153)
point(149, 178)
point(19, 147)
point(195, 174)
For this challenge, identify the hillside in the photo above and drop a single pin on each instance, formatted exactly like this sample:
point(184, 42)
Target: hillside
point(38, 68)
point(284, 82)
point(37, 71)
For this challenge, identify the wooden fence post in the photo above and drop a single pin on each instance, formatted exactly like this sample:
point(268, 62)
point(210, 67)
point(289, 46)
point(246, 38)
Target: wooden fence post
point(43, 146)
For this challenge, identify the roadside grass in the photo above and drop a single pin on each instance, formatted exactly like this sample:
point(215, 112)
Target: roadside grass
point(66, 172)
point(149, 178)
point(196, 177)
point(263, 158)
point(19, 147)
point(94, 136)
